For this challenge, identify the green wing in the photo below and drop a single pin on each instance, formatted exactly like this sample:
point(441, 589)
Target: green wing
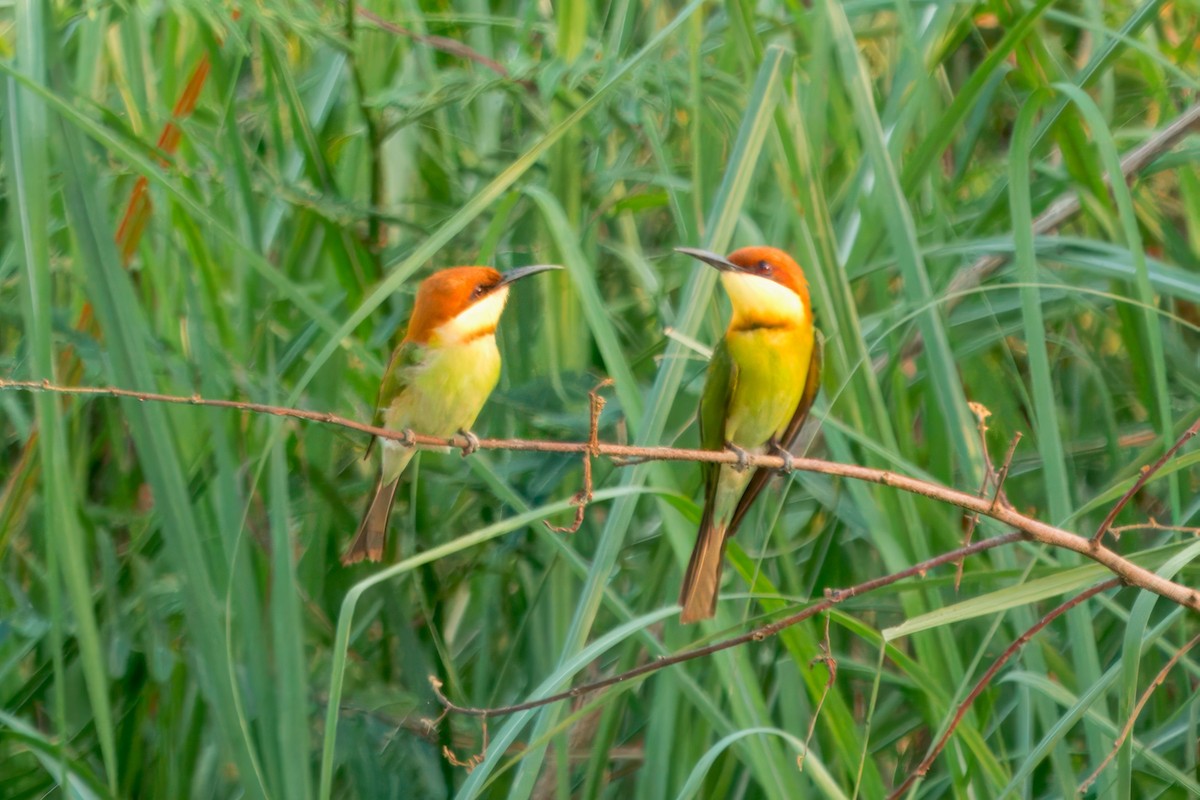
point(714, 407)
point(406, 355)
point(811, 384)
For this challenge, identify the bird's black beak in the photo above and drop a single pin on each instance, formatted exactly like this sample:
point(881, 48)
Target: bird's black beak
point(514, 275)
point(712, 259)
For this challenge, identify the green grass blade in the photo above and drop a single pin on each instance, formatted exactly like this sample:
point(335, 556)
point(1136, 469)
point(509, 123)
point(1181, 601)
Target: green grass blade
point(25, 137)
point(720, 226)
point(345, 623)
point(430, 246)
point(600, 322)
point(820, 775)
point(125, 335)
point(902, 230)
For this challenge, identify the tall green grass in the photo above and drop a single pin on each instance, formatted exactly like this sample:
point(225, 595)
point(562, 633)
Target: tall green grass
point(174, 620)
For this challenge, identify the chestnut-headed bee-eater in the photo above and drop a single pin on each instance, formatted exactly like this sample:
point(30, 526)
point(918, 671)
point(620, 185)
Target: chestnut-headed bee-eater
point(438, 378)
point(759, 388)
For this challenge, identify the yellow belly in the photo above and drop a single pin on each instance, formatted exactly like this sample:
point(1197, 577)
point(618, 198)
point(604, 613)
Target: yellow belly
point(772, 367)
point(448, 389)
point(442, 394)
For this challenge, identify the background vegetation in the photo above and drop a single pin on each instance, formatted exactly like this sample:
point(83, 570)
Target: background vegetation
point(173, 617)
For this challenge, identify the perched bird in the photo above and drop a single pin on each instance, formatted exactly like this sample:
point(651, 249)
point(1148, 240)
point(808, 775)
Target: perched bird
point(437, 379)
point(760, 385)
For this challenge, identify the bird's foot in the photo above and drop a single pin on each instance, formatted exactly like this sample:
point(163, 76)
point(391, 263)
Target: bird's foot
point(472, 442)
point(743, 458)
point(789, 461)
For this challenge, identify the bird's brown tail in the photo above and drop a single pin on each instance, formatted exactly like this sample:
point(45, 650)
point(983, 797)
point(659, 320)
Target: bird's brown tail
point(703, 577)
point(372, 531)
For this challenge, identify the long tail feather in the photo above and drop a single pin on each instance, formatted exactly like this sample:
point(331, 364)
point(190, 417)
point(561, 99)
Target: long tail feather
point(702, 580)
point(372, 531)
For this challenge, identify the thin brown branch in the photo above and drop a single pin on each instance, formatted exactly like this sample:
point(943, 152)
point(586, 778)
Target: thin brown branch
point(991, 476)
point(596, 405)
point(832, 598)
point(443, 44)
point(831, 664)
point(999, 495)
point(1153, 525)
point(1058, 213)
point(471, 761)
point(1143, 479)
point(1129, 572)
point(1137, 709)
point(973, 519)
point(1009, 652)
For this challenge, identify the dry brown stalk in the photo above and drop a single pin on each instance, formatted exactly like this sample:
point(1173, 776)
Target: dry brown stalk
point(1130, 573)
point(1008, 653)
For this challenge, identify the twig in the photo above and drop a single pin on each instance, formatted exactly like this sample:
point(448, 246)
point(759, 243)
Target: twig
point(1152, 525)
point(1009, 652)
point(1137, 709)
point(981, 414)
point(596, 405)
point(990, 476)
point(445, 45)
point(830, 663)
point(832, 598)
point(472, 761)
point(999, 495)
point(1129, 572)
point(1059, 212)
point(1147, 473)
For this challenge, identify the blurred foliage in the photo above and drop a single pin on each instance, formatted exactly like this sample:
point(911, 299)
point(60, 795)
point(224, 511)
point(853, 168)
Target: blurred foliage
point(173, 617)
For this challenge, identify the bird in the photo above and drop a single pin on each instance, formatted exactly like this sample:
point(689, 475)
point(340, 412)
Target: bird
point(437, 379)
point(758, 389)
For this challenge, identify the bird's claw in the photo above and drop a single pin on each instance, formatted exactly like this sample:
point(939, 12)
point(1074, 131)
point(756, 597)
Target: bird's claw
point(472, 442)
point(789, 461)
point(743, 458)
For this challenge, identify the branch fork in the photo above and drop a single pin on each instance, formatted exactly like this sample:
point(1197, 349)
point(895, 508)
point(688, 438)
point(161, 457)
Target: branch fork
point(581, 499)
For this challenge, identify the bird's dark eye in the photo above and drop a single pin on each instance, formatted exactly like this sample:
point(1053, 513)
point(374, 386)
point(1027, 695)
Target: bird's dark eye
point(764, 267)
point(479, 290)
